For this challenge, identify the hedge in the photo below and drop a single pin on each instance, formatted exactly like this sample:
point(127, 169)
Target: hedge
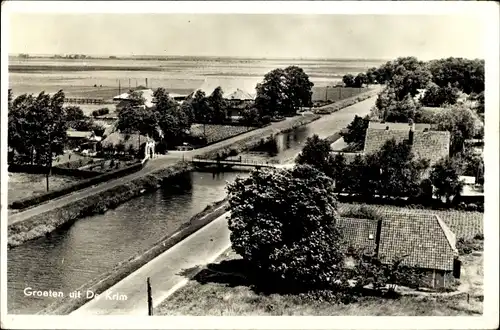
point(35, 200)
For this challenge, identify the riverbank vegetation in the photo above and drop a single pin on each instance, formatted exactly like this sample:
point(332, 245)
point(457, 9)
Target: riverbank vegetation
point(126, 267)
point(45, 223)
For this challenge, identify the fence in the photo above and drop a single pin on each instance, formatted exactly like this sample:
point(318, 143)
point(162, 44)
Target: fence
point(76, 100)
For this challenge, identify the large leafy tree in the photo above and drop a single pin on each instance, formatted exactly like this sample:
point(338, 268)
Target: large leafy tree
point(464, 74)
point(392, 109)
point(218, 105)
point(348, 80)
point(400, 172)
point(282, 91)
point(460, 122)
point(201, 107)
point(173, 120)
point(316, 153)
point(356, 131)
point(37, 127)
point(436, 96)
point(283, 223)
point(444, 177)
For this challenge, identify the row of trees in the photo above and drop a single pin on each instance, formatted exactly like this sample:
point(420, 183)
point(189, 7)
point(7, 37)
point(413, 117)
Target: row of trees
point(356, 81)
point(38, 125)
point(391, 172)
point(166, 122)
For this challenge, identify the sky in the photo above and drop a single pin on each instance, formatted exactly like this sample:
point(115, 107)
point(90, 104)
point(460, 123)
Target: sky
point(240, 35)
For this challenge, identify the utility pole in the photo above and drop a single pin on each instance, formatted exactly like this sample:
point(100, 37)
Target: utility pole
point(49, 160)
point(150, 298)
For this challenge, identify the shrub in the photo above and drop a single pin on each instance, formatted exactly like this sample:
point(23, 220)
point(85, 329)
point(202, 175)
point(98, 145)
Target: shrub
point(282, 223)
point(363, 212)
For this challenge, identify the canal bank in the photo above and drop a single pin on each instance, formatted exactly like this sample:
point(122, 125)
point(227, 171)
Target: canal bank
point(94, 245)
point(43, 223)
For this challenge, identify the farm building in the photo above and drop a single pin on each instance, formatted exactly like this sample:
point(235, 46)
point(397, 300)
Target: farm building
point(129, 141)
point(422, 240)
point(426, 144)
point(84, 140)
point(124, 98)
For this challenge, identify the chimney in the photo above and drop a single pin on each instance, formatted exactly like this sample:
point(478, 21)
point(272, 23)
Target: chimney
point(411, 133)
point(377, 237)
point(146, 82)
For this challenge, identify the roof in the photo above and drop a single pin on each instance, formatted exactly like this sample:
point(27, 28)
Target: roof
point(424, 240)
point(467, 179)
point(147, 94)
point(79, 134)
point(232, 88)
point(398, 126)
point(431, 145)
point(127, 139)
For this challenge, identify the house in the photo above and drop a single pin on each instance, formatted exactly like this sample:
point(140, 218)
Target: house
point(422, 240)
point(129, 141)
point(472, 192)
point(82, 139)
point(124, 98)
point(426, 144)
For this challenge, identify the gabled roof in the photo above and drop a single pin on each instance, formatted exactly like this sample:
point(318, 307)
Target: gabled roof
point(398, 126)
point(147, 94)
point(128, 140)
point(424, 240)
point(235, 89)
point(431, 145)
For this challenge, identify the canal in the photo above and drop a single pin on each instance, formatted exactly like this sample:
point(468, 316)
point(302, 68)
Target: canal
point(94, 245)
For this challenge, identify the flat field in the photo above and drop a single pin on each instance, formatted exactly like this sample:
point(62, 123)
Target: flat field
point(22, 185)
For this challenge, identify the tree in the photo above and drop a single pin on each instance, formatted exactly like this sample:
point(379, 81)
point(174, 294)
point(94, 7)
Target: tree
point(250, 117)
point(356, 131)
point(137, 120)
point(348, 80)
point(218, 105)
point(74, 113)
point(339, 170)
point(436, 96)
point(283, 91)
point(316, 153)
point(173, 120)
point(37, 128)
point(201, 108)
point(460, 122)
point(400, 172)
point(360, 80)
point(352, 181)
point(444, 178)
point(283, 223)
point(464, 74)
point(405, 75)
point(391, 109)
point(371, 76)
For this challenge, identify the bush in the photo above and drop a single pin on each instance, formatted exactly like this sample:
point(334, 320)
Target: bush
point(100, 112)
point(363, 212)
point(282, 223)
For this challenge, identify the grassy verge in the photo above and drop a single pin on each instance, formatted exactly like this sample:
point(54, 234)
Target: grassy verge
point(227, 293)
point(123, 269)
point(334, 107)
point(44, 223)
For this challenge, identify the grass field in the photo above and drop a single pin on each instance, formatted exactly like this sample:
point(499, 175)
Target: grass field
point(213, 294)
point(22, 185)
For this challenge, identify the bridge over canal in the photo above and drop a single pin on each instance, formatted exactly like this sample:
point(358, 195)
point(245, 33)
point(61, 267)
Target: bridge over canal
point(229, 163)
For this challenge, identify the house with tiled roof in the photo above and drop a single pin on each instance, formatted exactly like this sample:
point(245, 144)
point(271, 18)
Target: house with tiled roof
point(426, 144)
point(423, 241)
